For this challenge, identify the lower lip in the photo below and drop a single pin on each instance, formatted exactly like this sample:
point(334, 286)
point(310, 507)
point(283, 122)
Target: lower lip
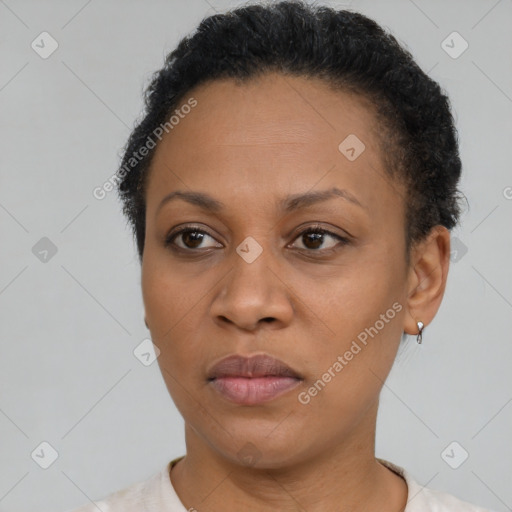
point(256, 390)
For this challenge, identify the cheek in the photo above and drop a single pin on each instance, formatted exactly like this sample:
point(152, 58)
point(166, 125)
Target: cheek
point(362, 307)
point(172, 303)
point(354, 298)
point(169, 294)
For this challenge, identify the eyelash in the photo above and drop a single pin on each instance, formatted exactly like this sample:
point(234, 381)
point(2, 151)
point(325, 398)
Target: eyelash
point(169, 241)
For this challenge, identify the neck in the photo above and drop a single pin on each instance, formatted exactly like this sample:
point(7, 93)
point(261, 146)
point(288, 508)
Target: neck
point(343, 477)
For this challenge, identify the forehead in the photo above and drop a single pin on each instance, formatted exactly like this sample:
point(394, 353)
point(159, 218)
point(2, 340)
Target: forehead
point(291, 108)
point(274, 133)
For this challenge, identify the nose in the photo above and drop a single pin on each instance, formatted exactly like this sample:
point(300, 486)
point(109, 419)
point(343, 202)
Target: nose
point(253, 294)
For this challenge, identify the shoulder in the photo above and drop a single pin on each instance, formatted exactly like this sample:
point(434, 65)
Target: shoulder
point(442, 502)
point(141, 495)
point(129, 499)
point(424, 499)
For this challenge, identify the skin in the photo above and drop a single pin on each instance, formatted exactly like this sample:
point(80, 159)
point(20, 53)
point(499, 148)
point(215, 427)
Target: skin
point(301, 301)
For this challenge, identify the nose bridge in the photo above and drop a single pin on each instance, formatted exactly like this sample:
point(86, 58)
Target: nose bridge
point(251, 274)
point(251, 291)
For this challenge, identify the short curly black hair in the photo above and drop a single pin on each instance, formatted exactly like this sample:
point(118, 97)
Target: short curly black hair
point(347, 50)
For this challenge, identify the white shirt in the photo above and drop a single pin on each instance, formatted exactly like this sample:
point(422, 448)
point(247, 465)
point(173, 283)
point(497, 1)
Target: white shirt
point(157, 494)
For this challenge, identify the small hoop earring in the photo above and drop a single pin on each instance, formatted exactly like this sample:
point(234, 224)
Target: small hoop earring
point(419, 337)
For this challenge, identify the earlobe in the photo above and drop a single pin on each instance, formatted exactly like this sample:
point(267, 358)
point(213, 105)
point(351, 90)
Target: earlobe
point(428, 273)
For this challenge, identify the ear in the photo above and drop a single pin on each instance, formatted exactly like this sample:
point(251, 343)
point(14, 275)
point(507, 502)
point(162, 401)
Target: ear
point(426, 281)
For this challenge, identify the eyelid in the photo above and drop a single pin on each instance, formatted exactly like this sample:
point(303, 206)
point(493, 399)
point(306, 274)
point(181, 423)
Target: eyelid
point(300, 230)
point(320, 227)
point(316, 228)
point(169, 239)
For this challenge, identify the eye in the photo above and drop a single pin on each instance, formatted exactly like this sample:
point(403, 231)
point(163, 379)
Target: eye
point(191, 238)
point(314, 237)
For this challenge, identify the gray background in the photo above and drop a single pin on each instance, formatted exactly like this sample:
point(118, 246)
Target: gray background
point(69, 325)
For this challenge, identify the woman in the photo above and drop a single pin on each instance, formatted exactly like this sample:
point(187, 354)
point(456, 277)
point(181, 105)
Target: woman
point(291, 188)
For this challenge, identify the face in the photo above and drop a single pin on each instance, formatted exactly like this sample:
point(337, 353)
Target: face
point(256, 276)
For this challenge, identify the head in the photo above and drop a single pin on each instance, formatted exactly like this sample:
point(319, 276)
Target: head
point(315, 166)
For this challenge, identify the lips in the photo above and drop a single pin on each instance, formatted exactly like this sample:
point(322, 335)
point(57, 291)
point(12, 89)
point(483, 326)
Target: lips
point(252, 367)
point(253, 380)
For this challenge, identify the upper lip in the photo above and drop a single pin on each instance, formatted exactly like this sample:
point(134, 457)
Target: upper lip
point(261, 365)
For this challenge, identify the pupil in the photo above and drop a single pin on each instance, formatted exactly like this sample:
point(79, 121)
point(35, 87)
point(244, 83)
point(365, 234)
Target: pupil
point(197, 238)
point(317, 237)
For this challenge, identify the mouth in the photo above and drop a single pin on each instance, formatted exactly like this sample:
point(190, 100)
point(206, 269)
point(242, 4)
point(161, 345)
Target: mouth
point(253, 380)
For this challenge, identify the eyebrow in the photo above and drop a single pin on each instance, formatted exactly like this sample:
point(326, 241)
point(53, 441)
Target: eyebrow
point(288, 204)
